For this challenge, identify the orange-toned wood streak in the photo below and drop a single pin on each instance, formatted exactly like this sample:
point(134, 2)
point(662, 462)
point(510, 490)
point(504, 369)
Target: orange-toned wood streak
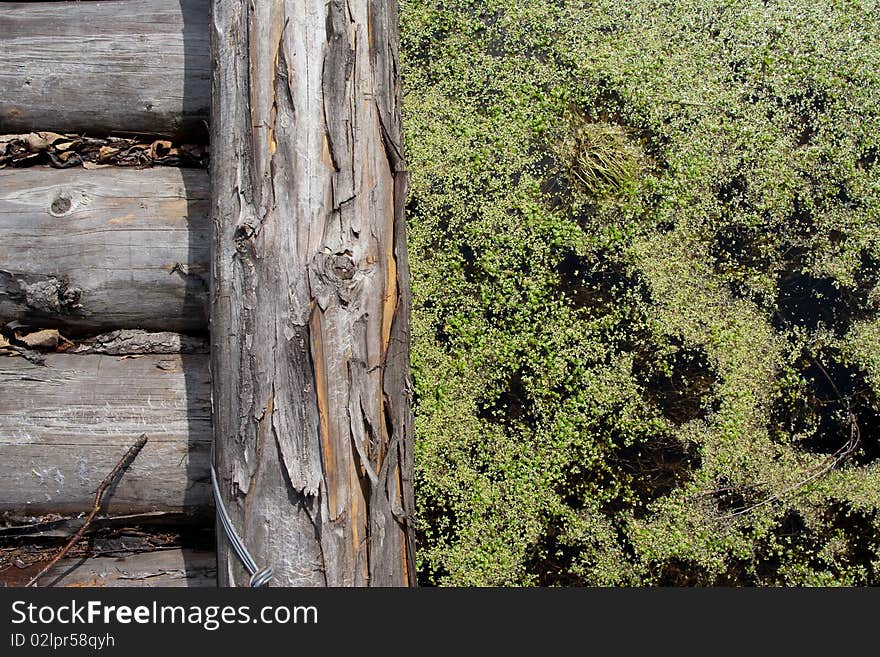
point(310, 303)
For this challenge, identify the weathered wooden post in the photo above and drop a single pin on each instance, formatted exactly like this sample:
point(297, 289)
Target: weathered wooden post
point(310, 298)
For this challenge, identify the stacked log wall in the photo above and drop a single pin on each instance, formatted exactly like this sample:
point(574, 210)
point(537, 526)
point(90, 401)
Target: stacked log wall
point(116, 260)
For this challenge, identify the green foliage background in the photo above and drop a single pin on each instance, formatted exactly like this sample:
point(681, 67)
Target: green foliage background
point(645, 261)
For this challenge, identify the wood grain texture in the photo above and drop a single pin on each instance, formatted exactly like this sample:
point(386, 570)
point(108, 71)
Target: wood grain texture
point(17, 526)
point(104, 67)
point(166, 568)
point(310, 309)
point(65, 424)
point(95, 250)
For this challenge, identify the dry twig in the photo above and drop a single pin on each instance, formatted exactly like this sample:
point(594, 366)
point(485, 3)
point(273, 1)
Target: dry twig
point(831, 462)
point(826, 466)
point(123, 463)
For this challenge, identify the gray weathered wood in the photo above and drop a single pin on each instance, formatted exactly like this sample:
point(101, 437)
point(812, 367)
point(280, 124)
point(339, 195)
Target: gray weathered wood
point(135, 341)
point(92, 250)
point(18, 526)
point(103, 67)
point(64, 425)
point(171, 568)
point(310, 311)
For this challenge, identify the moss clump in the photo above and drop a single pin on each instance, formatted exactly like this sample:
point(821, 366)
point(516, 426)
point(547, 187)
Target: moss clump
point(645, 255)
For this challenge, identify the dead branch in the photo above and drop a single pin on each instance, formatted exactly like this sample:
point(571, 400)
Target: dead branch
point(827, 465)
point(123, 463)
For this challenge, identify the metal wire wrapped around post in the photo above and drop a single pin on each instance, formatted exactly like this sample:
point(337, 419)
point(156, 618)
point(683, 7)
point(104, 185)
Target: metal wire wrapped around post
point(259, 576)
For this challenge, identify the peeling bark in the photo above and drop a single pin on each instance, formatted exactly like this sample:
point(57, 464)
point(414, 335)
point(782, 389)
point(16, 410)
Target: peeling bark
point(310, 299)
point(135, 341)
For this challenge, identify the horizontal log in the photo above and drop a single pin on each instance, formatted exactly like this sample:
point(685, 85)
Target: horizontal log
point(65, 424)
point(176, 567)
point(34, 529)
point(97, 250)
point(102, 67)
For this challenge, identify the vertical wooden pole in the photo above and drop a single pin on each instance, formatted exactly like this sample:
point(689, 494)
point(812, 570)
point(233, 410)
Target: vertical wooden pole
point(310, 298)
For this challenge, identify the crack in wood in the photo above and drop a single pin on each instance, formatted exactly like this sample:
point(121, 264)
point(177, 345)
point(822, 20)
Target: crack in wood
point(310, 305)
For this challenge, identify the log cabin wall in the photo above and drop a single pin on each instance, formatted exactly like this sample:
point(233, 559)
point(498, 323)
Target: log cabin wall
point(104, 273)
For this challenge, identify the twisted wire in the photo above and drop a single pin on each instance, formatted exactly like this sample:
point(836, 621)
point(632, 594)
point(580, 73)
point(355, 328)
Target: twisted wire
point(259, 576)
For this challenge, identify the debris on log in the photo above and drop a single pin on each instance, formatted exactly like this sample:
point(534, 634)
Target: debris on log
point(171, 568)
point(136, 342)
point(70, 150)
point(143, 549)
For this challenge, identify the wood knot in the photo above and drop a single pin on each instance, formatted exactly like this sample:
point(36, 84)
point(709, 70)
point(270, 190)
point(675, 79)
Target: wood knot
point(342, 266)
point(60, 206)
point(244, 233)
point(336, 274)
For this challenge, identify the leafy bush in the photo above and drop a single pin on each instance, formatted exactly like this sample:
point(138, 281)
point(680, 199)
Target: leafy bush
point(645, 264)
